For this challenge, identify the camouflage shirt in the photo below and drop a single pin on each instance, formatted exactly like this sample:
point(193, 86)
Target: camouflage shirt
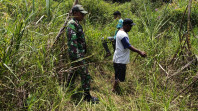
point(75, 40)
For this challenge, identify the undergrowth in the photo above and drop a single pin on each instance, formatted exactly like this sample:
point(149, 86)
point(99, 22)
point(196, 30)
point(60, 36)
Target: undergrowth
point(33, 74)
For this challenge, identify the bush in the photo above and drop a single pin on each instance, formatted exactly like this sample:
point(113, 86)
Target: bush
point(177, 13)
point(99, 11)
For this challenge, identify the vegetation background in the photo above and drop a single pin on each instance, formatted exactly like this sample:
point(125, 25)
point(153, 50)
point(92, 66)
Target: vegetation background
point(33, 73)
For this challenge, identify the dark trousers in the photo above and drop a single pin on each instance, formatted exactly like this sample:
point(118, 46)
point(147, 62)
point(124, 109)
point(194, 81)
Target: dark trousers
point(120, 71)
point(80, 68)
point(108, 40)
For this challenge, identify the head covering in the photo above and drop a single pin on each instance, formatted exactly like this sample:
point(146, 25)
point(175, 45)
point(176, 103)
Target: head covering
point(128, 21)
point(79, 8)
point(116, 13)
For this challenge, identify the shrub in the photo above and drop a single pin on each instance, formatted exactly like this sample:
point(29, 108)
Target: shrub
point(99, 11)
point(176, 14)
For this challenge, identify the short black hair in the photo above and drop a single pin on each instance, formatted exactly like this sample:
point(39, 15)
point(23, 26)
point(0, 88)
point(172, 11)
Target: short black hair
point(116, 13)
point(128, 21)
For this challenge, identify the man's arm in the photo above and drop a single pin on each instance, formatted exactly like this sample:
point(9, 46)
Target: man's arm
point(126, 44)
point(72, 42)
point(142, 53)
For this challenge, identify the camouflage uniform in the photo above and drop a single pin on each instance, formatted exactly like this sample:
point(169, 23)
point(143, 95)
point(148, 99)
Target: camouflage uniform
point(77, 51)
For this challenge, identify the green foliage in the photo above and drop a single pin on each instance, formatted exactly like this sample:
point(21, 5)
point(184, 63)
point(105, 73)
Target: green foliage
point(178, 12)
point(32, 76)
point(99, 11)
point(48, 8)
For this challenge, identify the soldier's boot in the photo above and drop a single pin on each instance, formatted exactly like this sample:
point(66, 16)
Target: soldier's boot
point(90, 98)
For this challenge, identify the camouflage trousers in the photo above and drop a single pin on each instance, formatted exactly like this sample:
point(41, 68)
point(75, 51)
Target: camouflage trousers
point(80, 68)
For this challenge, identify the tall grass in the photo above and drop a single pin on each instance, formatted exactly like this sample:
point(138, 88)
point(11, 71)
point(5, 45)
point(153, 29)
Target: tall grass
point(30, 76)
point(48, 8)
point(33, 6)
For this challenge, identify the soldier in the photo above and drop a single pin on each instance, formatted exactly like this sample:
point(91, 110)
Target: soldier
point(77, 50)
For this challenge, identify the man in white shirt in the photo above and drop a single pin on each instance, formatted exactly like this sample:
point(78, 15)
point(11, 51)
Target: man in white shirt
point(121, 55)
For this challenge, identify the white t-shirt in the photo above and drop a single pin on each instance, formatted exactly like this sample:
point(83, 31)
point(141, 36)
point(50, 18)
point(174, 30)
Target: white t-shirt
point(121, 55)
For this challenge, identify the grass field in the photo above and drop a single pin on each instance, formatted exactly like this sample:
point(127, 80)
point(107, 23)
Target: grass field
point(33, 73)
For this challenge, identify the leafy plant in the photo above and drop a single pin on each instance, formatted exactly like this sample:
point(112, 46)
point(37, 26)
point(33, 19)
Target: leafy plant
point(33, 78)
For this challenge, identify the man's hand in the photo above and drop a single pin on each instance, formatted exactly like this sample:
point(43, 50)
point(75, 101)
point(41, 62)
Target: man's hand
point(143, 54)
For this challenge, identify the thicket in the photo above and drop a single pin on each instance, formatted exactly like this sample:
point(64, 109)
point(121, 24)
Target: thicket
point(32, 73)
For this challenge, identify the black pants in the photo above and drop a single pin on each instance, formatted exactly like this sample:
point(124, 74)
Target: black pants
point(108, 40)
point(120, 71)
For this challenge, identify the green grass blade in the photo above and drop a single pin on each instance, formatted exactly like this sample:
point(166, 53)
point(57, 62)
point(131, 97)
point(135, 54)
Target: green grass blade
point(11, 71)
point(48, 8)
point(33, 4)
